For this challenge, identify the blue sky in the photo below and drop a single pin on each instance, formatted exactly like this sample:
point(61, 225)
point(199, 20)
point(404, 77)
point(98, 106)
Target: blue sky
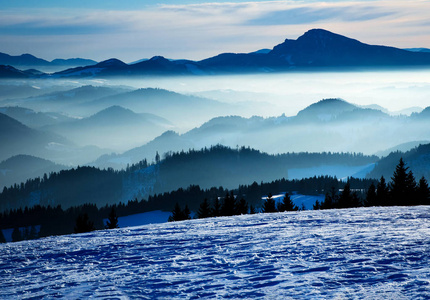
point(135, 29)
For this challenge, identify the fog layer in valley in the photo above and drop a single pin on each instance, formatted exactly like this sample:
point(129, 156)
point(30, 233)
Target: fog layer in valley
point(288, 93)
point(115, 122)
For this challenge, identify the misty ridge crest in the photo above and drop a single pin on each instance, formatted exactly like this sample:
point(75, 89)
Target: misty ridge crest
point(113, 126)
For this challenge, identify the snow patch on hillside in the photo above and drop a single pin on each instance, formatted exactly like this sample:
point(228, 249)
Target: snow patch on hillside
point(299, 200)
point(365, 253)
point(151, 217)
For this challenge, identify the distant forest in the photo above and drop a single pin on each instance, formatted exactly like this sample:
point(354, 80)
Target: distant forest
point(218, 165)
point(403, 190)
point(54, 220)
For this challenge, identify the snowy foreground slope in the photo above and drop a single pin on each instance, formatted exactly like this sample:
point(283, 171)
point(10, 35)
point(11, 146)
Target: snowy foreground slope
point(366, 253)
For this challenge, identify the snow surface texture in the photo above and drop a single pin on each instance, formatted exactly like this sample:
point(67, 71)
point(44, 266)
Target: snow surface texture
point(366, 253)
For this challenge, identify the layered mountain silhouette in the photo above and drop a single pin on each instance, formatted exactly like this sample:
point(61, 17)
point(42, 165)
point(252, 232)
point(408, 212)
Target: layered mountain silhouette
point(16, 138)
point(114, 127)
point(67, 100)
point(317, 48)
point(32, 118)
point(7, 71)
point(328, 125)
point(19, 168)
point(416, 159)
point(175, 107)
point(20, 139)
point(31, 61)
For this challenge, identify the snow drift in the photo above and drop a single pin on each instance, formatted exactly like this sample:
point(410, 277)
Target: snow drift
point(365, 253)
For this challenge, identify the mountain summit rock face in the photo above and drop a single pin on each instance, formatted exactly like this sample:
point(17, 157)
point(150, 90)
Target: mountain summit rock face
point(319, 47)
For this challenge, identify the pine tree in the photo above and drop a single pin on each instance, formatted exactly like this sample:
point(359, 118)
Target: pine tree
point(112, 221)
point(371, 199)
point(345, 198)
point(204, 210)
point(186, 213)
point(382, 193)
point(269, 205)
point(423, 192)
point(331, 199)
point(2, 238)
point(83, 224)
point(287, 204)
point(403, 185)
point(252, 210)
point(216, 211)
point(229, 205)
point(242, 207)
point(16, 235)
point(303, 207)
point(177, 214)
point(317, 205)
point(356, 201)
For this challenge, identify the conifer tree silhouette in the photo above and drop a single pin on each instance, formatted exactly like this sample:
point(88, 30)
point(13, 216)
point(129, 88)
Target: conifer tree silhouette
point(204, 210)
point(371, 199)
point(2, 238)
point(269, 204)
point(83, 224)
point(423, 192)
point(112, 221)
point(382, 193)
point(403, 185)
point(287, 204)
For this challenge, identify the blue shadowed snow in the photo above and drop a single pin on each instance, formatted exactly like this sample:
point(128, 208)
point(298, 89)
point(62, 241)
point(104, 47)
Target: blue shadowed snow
point(366, 253)
point(299, 200)
point(152, 217)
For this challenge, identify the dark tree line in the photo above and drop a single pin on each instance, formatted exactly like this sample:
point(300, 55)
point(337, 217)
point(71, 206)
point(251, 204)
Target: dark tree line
point(230, 206)
point(229, 167)
point(227, 206)
point(403, 190)
point(54, 220)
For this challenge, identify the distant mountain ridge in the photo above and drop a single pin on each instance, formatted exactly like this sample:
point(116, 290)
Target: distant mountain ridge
point(328, 125)
point(315, 49)
point(19, 168)
point(28, 60)
point(113, 126)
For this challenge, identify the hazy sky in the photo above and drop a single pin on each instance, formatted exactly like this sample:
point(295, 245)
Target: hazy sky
point(135, 29)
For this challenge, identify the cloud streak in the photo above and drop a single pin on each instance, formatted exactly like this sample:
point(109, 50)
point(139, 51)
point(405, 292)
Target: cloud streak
point(197, 31)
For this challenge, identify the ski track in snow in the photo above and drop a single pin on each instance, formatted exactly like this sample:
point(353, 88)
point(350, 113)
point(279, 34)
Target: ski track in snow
point(366, 253)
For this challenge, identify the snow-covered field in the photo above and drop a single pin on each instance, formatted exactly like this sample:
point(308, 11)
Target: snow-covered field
point(365, 253)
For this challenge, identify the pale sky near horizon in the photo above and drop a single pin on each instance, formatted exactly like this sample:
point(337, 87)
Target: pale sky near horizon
point(134, 29)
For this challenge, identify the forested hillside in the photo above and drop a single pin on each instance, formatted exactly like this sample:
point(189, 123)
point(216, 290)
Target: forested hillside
point(215, 166)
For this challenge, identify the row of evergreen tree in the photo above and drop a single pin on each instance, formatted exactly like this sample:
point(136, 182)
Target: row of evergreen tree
point(230, 206)
point(403, 190)
point(228, 167)
point(82, 224)
point(54, 220)
point(227, 206)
